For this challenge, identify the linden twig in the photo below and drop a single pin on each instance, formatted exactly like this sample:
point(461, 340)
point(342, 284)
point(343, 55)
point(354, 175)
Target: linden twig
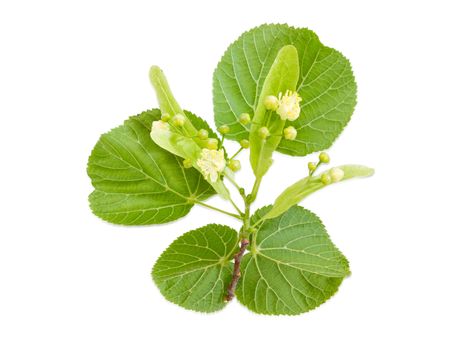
point(218, 209)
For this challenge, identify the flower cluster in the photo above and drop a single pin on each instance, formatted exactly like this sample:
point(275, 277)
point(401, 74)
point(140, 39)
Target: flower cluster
point(286, 105)
point(211, 163)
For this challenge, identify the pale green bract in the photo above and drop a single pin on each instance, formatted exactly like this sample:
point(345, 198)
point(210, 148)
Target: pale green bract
point(173, 142)
point(182, 141)
point(186, 148)
point(166, 100)
point(326, 85)
point(297, 192)
point(196, 268)
point(138, 183)
point(292, 266)
point(282, 76)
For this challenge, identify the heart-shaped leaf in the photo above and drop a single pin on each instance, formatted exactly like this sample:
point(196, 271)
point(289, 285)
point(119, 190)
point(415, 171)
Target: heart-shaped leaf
point(138, 183)
point(326, 85)
point(292, 266)
point(196, 269)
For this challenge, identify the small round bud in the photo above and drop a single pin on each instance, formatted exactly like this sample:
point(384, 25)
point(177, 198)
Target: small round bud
point(245, 143)
point(325, 178)
point(202, 134)
point(187, 163)
point(337, 174)
point(271, 103)
point(234, 165)
point(263, 132)
point(165, 117)
point(311, 166)
point(324, 157)
point(290, 133)
point(212, 143)
point(244, 118)
point(178, 120)
point(223, 129)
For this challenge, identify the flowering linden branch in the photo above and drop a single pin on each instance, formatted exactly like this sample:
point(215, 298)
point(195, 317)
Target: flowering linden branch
point(210, 160)
point(179, 161)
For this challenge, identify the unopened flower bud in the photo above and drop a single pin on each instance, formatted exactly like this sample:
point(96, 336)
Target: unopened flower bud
point(244, 118)
point(245, 143)
point(234, 165)
point(178, 120)
point(202, 134)
point(271, 103)
point(263, 132)
point(223, 129)
point(337, 174)
point(212, 143)
point(325, 179)
point(187, 163)
point(311, 166)
point(290, 133)
point(165, 117)
point(324, 157)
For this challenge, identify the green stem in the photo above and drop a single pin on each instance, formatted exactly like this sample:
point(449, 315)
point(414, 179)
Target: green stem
point(236, 207)
point(316, 167)
point(221, 142)
point(268, 117)
point(218, 209)
point(257, 223)
point(246, 220)
point(235, 154)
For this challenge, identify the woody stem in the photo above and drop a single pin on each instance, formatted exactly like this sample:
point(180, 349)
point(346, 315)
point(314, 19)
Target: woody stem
point(236, 271)
point(245, 233)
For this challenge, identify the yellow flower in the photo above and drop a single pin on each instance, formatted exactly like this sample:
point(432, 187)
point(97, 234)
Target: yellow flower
point(289, 107)
point(160, 125)
point(211, 163)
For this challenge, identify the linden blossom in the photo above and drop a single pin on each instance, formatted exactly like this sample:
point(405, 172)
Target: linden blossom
point(289, 105)
point(160, 125)
point(286, 105)
point(211, 163)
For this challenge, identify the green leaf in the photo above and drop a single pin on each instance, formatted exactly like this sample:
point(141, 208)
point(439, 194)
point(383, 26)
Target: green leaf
point(195, 270)
point(282, 76)
point(292, 266)
point(297, 192)
point(326, 85)
point(138, 183)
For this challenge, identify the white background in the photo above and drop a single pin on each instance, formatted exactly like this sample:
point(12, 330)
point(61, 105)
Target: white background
point(72, 70)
